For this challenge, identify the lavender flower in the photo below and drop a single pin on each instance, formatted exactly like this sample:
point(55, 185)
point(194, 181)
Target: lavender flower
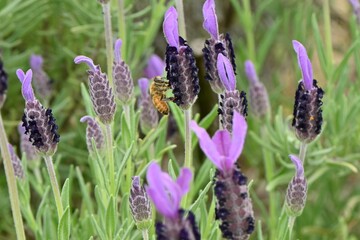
point(100, 92)
point(26, 146)
point(307, 109)
point(16, 163)
point(123, 83)
point(356, 8)
point(38, 121)
point(166, 195)
point(259, 99)
point(234, 207)
point(41, 79)
point(218, 43)
point(140, 205)
point(3, 84)
point(155, 67)
point(148, 114)
point(93, 133)
point(297, 190)
point(180, 63)
point(231, 100)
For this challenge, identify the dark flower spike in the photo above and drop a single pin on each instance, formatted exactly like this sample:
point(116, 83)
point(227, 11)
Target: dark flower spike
point(234, 207)
point(259, 98)
point(16, 163)
point(93, 133)
point(41, 79)
point(218, 43)
point(155, 67)
point(100, 91)
point(210, 19)
point(148, 114)
point(181, 68)
point(166, 195)
point(26, 146)
point(140, 205)
point(297, 190)
point(231, 100)
point(308, 100)
point(3, 84)
point(304, 65)
point(123, 83)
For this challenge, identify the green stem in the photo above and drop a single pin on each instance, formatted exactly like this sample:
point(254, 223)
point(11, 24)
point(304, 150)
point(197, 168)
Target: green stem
point(108, 39)
point(328, 41)
point(248, 24)
point(110, 157)
point(54, 185)
point(180, 10)
point(145, 234)
point(126, 109)
point(291, 225)
point(303, 147)
point(122, 27)
point(188, 150)
point(11, 182)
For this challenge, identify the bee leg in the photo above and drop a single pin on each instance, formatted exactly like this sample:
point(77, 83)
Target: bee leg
point(170, 99)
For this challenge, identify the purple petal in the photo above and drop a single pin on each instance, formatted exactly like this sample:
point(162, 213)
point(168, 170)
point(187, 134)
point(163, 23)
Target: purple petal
point(251, 72)
point(226, 72)
point(155, 67)
point(238, 138)
point(222, 141)
point(184, 180)
point(36, 62)
point(21, 128)
point(87, 119)
point(170, 27)
point(210, 20)
point(298, 166)
point(158, 190)
point(144, 86)
point(355, 3)
point(304, 64)
point(26, 88)
point(87, 60)
point(117, 50)
point(206, 144)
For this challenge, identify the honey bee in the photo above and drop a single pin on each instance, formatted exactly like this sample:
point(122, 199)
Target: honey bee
point(158, 89)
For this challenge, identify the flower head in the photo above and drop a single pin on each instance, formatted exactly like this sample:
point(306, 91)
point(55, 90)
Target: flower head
point(155, 67)
point(304, 65)
point(226, 72)
point(251, 72)
point(210, 19)
point(93, 133)
point(3, 84)
point(16, 163)
point(170, 27)
point(223, 149)
point(165, 192)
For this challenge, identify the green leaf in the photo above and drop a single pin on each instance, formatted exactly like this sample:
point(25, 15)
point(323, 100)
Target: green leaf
point(84, 191)
point(110, 218)
point(97, 227)
point(64, 225)
point(87, 101)
point(201, 197)
point(65, 194)
point(179, 118)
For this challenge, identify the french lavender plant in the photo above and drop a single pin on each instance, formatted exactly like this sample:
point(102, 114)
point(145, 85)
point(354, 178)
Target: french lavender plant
point(41, 128)
point(307, 119)
point(140, 206)
point(3, 84)
point(182, 74)
point(93, 133)
point(231, 100)
point(259, 99)
point(234, 206)
point(218, 43)
point(16, 163)
point(41, 80)
point(166, 195)
point(148, 114)
point(155, 67)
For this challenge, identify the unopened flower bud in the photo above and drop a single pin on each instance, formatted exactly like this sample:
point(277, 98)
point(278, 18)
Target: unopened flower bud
point(93, 133)
point(297, 190)
point(16, 163)
point(3, 84)
point(101, 93)
point(140, 204)
point(123, 83)
point(38, 121)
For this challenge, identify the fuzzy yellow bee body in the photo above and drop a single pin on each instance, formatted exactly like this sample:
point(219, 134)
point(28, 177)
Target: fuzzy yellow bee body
point(158, 89)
